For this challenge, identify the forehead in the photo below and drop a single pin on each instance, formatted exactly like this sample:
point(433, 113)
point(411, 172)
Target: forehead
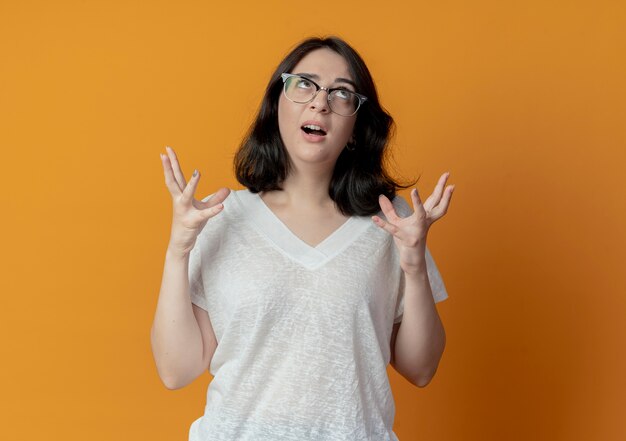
point(326, 63)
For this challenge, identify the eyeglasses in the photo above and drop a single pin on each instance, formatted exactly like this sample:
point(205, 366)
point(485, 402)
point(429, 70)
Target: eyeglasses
point(303, 90)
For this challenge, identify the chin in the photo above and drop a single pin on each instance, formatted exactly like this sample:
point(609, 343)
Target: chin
point(315, 155)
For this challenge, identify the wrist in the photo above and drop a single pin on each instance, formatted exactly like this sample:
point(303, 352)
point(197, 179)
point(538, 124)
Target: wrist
point(176, 253)
point(417, 265)
point(181, 243)
point(417, 271)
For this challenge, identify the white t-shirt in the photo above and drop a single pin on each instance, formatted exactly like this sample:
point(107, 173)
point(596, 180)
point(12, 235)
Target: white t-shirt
point(303, 332)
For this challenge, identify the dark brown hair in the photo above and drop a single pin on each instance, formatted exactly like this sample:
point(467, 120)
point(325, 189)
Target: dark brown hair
point(262, 163)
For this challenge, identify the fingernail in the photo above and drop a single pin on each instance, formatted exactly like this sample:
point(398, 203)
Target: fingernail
point(195, 173)
point(167, 147)
point(161, 155)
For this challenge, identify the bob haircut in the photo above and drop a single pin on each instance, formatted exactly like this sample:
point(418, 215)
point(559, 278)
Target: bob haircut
point(359, 177)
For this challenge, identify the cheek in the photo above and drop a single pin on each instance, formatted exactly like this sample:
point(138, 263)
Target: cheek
point(349, 129)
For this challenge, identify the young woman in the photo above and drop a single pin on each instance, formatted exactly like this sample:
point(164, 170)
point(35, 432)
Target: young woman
point(298, 291)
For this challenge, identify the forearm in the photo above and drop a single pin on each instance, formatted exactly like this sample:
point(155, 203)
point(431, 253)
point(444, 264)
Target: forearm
point(421, 337)
point(175, 336)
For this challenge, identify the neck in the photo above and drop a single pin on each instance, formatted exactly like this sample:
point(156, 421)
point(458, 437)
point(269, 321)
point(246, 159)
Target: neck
point(306, 189)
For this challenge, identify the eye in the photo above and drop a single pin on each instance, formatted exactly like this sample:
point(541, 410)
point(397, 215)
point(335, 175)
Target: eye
point(303, 83)
point(343, 94)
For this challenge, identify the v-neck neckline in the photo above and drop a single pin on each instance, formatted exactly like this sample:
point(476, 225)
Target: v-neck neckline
point(265, 221)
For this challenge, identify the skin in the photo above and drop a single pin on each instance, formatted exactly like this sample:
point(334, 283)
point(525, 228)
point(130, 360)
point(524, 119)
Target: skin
point(182, 337)
point(418, 341)
point(307, 157)
point(304, 206)
point(409, 233)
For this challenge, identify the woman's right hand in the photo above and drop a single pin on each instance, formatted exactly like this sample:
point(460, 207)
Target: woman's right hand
point(189, 214)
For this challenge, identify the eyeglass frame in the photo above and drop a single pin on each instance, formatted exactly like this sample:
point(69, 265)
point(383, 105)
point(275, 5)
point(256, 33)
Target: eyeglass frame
point(285, 76)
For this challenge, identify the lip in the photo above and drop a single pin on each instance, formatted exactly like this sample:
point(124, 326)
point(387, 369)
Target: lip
point(315, 123)
point(312, 138)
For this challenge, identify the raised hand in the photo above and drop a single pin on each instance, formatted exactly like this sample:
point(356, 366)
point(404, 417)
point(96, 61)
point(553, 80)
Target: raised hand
point(189, 214)
point(410, 233)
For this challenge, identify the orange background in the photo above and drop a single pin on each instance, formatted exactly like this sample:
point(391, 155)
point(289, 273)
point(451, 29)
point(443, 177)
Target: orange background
point(524, 102)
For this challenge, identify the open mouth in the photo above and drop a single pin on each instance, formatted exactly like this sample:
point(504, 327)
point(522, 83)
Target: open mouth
point(311, 129)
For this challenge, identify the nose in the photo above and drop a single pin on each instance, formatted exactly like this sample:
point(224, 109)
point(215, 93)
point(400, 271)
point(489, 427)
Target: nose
point(320, 101)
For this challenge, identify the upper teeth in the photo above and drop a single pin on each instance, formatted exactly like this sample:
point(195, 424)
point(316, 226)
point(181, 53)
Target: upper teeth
point(312, 127)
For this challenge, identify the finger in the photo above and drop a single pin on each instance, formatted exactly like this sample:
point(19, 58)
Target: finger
point(218, 197)
point(434, 199)
point(389, 228)
point(170, 180)
point(190, 188)
point(417, 202)
point(441, 209)
point(208, 213)
point(178, 174)
point(387, 208)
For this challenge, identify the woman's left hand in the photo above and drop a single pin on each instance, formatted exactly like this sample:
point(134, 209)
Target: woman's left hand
point(409, 233)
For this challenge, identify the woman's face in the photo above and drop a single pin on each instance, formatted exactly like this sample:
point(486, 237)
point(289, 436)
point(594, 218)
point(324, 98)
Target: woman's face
point(326, 68)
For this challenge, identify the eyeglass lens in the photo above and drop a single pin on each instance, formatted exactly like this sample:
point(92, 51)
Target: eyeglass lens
point(301, 90)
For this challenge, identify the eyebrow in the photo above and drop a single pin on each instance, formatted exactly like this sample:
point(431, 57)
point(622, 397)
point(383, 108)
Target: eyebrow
point(337, 80)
